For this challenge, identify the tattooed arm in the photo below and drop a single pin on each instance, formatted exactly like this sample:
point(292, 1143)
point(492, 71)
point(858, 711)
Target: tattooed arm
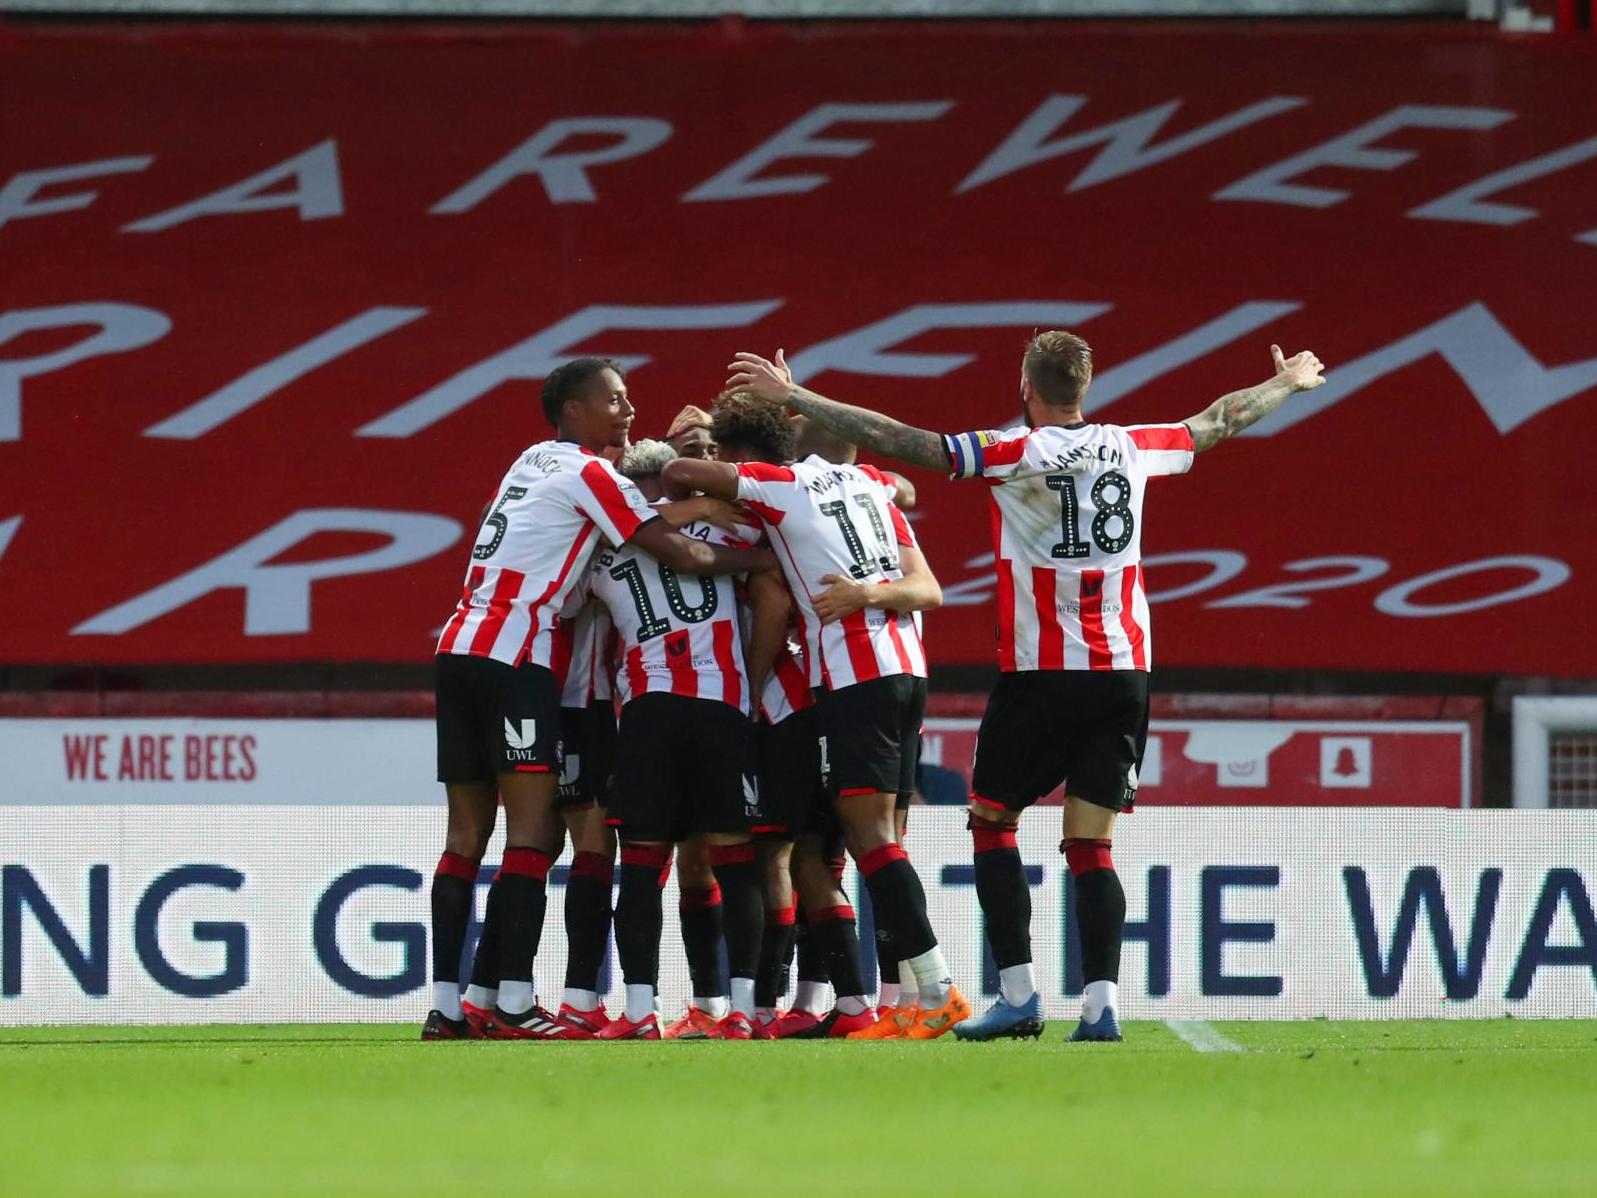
point(865, 428)
point(1230, 414)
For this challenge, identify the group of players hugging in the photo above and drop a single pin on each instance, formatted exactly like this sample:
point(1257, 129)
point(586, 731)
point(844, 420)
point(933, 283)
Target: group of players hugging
point(749, 596)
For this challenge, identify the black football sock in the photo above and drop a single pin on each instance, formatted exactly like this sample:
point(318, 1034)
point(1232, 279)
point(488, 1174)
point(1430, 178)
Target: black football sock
point(900, 904)
point(454, 885)
point(701, 940)
point(836, 939)
point(1100, 908)
point(808, 957)
point(522, 897)
point(638, 917)
point(737, 872)
point(1002, 891)
point(898, 899)
point(485, 962)
point(587, 919)
point(776, 947)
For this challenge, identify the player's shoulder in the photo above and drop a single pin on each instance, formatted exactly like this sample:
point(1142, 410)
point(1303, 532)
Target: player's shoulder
point(555, 460)
point(767, 472)
point(1175, 436)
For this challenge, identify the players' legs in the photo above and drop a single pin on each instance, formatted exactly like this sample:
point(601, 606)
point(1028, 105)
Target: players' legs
point(645, 866)
point(895, 979)
point(1100, 902)
point(518, 899)
point(473, 807)
point(1005, 899)
point(737, 873)
point(701, 910)
point(587, 907)
point(776, 946)
point(832, 930)
point(1021, 755)
point(897, 896)
point(482, 995)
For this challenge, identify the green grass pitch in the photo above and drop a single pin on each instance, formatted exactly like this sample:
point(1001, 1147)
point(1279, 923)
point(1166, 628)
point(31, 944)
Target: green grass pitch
point(1400, 1108)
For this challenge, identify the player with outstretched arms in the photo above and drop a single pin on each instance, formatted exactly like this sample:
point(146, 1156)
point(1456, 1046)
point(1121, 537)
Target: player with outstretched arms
point(498, 695)
point(1074, 639)
point(832, 526)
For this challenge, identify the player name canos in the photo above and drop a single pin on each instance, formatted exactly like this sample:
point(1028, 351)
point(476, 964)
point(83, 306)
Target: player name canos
point(159, 757)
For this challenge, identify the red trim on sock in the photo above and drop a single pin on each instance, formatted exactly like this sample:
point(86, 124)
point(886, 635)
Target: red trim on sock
point(845, 912)
point(1084, 856)
point(781, 917)
point(598, 866)
point(453, 865)
point(697, 898)
point(731, 854)
point(881, 857)
point(527, 863)
point(653, 856)
point(988, 837)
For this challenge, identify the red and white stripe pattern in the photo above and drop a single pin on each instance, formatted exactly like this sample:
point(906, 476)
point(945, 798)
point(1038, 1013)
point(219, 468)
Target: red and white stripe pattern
point(585, 657)
point(857, 535)
point(546, 519)
point(1067, 538)
point(667, 645)
point(787, 690)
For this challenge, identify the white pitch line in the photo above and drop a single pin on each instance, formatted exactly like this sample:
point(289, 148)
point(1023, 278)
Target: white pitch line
point(1204, 1037)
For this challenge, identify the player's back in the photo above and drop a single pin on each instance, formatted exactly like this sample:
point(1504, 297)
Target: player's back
point(540, 532)
point(1068, 538)
point(825, 518)
point(679, 633)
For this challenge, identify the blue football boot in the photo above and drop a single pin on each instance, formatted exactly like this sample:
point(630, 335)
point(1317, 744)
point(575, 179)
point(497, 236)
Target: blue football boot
point(1106, 1027)
point(1002, 1020)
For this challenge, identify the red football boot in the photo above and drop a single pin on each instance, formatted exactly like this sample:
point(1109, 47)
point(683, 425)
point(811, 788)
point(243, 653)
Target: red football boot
point(735, 1026)
point(440, 1027)
point(586, 1024)
point(535, 1024)
point(476, 1019)
point(794, 1023)
point(647, 1028)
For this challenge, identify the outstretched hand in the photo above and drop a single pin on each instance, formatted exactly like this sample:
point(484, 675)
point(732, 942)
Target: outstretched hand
point(771, 381)
point(1303, 371)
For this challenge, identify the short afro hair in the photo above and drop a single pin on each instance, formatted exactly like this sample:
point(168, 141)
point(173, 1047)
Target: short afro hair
point(744, 421)
point(646, 459)
point(565, 380)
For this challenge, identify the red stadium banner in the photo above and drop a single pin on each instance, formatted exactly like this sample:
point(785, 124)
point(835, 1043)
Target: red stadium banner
point(275, 301)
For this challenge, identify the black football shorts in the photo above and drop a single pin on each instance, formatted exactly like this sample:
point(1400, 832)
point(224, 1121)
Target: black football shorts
point(794, 798)
point(587, 755)
point(495, 718)
point(1086, 728)
point(683, 767)
point(871, 734)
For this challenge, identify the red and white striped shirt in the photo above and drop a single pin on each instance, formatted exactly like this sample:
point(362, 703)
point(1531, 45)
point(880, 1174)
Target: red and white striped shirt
point(680, 635)
point(787, 689)
point(1067, 537)
point(585, 650)
point(552, 506)
point(830, 519)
